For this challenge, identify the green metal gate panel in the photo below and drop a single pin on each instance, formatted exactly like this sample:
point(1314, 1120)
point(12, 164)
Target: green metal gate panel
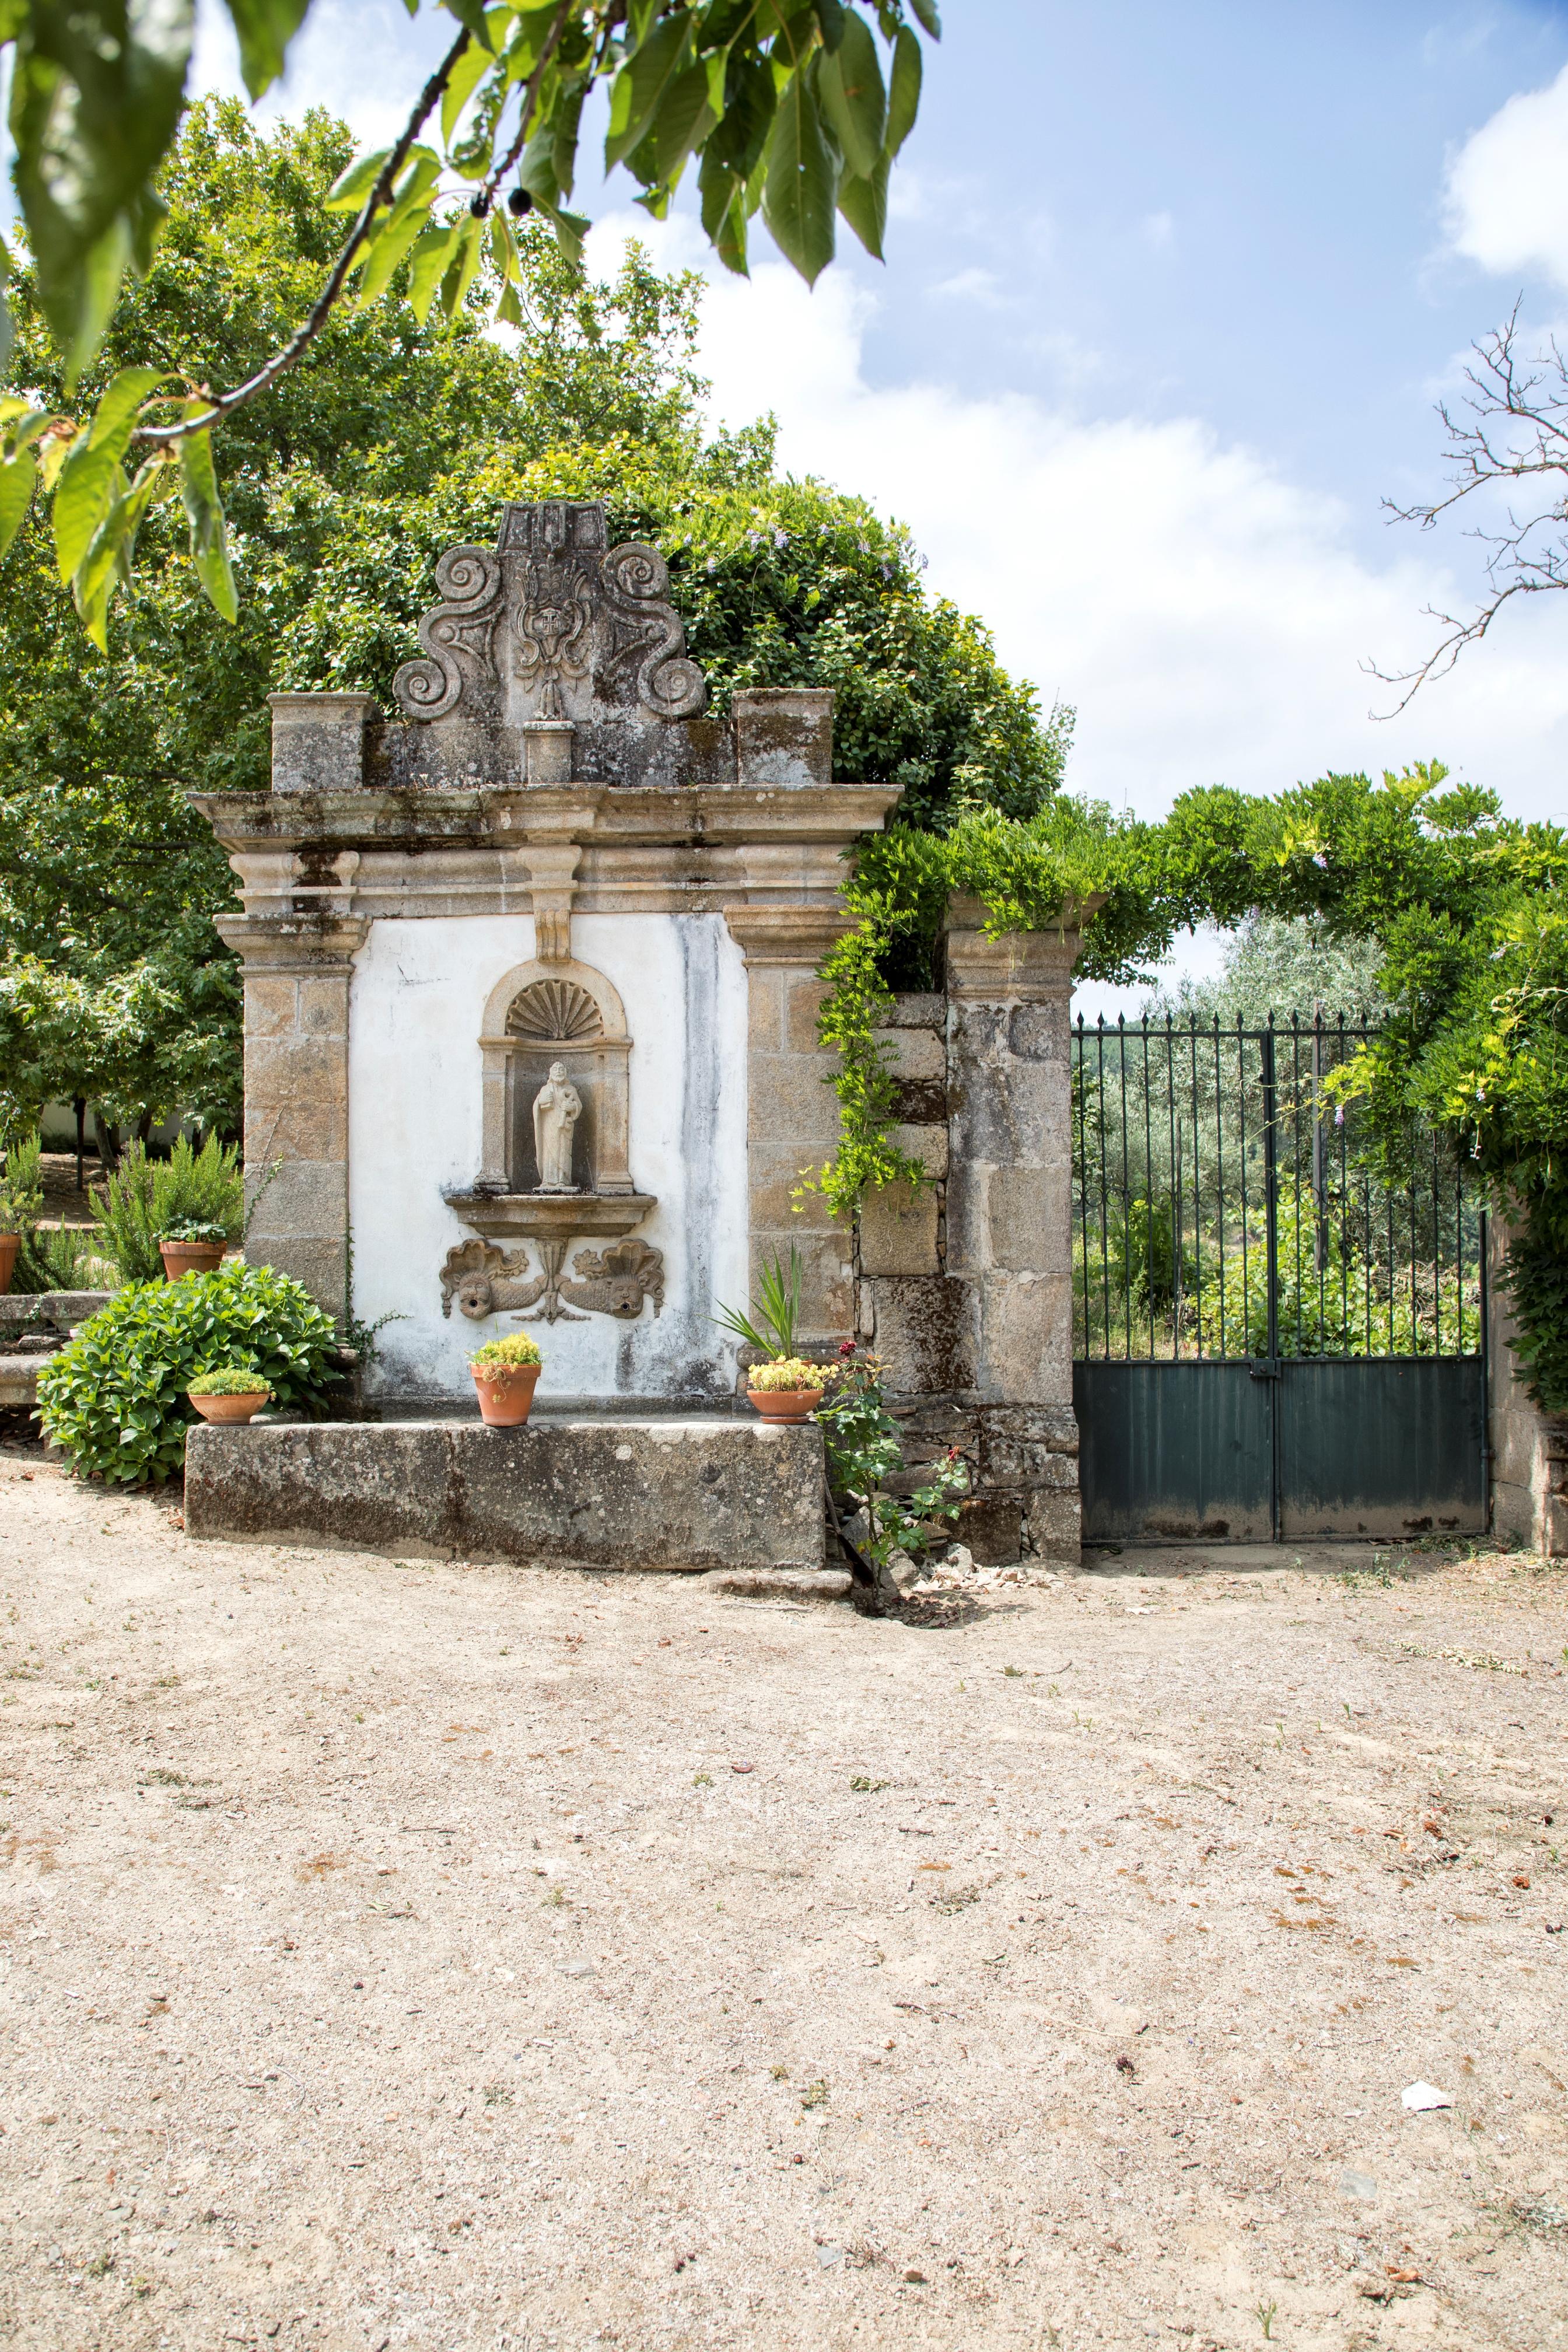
point(1177, 1450)
point(1381, 1446)
point(1272, 1343)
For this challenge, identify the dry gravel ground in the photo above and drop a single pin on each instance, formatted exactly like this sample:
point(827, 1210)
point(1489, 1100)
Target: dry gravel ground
point(398, 1955)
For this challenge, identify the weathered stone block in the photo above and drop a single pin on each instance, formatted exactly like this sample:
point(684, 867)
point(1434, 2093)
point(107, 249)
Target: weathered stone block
point(790, 1099)
point(917, 1009)
point(765, 1004)
point(305, 1200)
point(324, 1006)
point(684, 1494)
point(321, 1263)
point(1025, 1351)
point(992, 1528)
point(925, 1333)
point(318, 740)
point(1040, 1033)
point(1055, 1522)
point(1029, 1214)
point(803, 1007)
point(784, 736)
point(898, 1230)
point(1028, 1445)
point(271, 1005)
point(775, 1174)
point(915, 1054)
point(926, 1143)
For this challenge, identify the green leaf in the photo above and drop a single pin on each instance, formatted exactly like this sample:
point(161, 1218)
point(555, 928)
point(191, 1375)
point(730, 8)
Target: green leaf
point(472, 15)
point(17, 475)
point(466, 247)
point(831, 16)
point(800, 190)
point(683, 119)
point(265, 28)
point(640, 84)
point(349, 189)
point(925, 12)
point(203, 512)
point(461, 83)
point(6, 329)
point(389, 250)
point(86, 484)
point(431, 255)
point(850, 84)
point(904, 98)
point(509, 310)
point(570, 228)
point(96, 93)
point(864, 204)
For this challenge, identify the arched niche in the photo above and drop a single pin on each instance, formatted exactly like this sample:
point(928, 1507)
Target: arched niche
point(556, 1011)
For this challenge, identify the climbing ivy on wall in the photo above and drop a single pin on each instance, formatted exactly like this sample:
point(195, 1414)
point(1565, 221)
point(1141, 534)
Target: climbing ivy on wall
point(1463, 902)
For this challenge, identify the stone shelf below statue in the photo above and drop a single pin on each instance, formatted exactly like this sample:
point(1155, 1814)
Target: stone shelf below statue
point(551, 1216)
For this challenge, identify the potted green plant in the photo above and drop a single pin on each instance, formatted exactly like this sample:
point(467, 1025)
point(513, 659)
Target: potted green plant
point(783, 1387)
point(231, 1395)
point(21, 1204)
point(787, 1388)
point(191, 1245)
point(505, 1374)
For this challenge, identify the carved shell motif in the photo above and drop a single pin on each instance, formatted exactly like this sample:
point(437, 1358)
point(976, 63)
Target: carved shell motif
point(556, 1011)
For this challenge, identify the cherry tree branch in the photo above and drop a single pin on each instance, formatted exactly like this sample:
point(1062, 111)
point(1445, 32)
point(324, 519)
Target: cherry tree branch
point(225, 404)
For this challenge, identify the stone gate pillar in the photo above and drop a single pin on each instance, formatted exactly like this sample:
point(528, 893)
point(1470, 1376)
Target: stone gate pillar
point(966, 1286)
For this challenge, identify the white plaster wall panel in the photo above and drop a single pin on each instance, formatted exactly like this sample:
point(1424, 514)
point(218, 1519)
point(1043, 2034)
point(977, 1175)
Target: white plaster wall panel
point(415, 1014)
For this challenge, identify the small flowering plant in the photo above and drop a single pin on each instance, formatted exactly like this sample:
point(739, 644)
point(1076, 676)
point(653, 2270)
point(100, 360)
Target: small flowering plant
point(789, 1373)
point(498, 1359)
point(865, 1450)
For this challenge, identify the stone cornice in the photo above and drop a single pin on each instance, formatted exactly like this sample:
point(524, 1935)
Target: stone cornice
point(431, 821)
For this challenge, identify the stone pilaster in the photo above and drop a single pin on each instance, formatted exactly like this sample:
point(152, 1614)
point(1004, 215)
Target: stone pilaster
point(1528, 1447)
point(792, 1112)
point(1009, 1211)
point(318, 740)
point(297, 978)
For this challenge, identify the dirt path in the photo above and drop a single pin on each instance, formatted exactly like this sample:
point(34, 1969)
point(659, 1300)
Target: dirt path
point(398, 1956)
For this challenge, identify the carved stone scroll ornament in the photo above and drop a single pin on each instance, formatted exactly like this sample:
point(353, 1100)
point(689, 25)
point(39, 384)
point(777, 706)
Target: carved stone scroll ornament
point(458, 637)
point(581, 630)
point(484, 1280)
point(646, 629)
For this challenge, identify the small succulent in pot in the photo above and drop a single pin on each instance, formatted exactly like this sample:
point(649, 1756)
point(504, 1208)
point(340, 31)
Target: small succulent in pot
point(505, 1371)
point(230, 1395)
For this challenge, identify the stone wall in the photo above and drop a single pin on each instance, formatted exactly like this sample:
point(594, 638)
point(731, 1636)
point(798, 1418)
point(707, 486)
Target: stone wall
point(1528, 1447)
point(965, 1285)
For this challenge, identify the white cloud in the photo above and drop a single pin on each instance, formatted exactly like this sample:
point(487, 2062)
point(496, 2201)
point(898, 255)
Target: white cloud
point(1508, 187)
point(1206, 615)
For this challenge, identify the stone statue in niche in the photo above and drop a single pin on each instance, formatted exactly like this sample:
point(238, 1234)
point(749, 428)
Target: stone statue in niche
point(557, 1107)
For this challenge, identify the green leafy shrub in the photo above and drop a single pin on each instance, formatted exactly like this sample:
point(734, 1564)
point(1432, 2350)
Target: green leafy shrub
point(228, 1382)
point(143, 1198)
point(193, 1229)
point(21, 1192)
point(515, 1353)
point(115, 1398)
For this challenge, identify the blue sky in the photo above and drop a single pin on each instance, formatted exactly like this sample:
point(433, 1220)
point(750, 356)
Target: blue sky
point(1170, 294)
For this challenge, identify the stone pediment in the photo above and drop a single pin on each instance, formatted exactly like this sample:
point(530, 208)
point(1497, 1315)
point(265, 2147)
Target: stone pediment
point(555, 624)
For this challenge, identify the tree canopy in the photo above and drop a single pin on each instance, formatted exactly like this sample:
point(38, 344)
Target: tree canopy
point(796, 107)
point(394, 439)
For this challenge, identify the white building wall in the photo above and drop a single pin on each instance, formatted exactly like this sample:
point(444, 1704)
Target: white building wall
point(416, 1011)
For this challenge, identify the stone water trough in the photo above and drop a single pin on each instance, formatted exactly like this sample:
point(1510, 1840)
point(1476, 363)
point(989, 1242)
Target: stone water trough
point(698, 1491)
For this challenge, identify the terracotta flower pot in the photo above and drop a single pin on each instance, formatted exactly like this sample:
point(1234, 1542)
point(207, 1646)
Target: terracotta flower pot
point(9, 1246)
point(181, 1258)
point(785, 1404)
point(230, 1409)
point(506, 1402)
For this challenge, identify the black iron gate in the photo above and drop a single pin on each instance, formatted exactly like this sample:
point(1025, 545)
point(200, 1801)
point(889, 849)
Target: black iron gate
point(1270, 1344)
